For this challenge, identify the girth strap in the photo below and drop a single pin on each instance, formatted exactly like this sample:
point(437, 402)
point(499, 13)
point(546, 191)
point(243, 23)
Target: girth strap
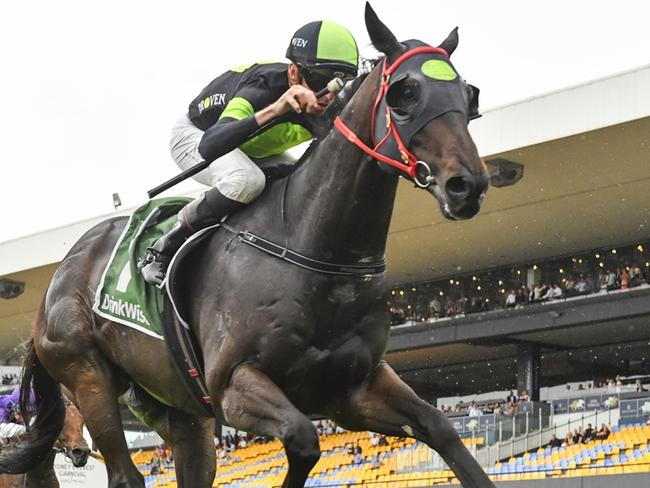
point(286, 254)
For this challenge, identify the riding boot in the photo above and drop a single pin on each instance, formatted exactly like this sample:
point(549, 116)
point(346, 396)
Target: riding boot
point(206, 210)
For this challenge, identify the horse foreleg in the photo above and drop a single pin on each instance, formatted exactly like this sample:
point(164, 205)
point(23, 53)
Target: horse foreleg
point(47, 480)
point(253, 403)
point(190, 438)
point(385, 404)
point(192, 441)
point(43, 476)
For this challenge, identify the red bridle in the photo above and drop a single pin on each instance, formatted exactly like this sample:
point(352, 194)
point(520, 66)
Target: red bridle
point(409, 162)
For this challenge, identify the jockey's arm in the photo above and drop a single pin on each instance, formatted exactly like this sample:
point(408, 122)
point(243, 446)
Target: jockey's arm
point(238, 122)
point(226, 135)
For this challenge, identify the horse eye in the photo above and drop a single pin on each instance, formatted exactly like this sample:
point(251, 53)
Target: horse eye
point(403, 95)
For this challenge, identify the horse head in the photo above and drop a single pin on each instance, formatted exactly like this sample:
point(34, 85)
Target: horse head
point(420, 118)
point(71, 442)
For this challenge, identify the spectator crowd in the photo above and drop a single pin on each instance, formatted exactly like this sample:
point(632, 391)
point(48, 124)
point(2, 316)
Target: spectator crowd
point(517, 287)
point(508, 407)
point(581, 436)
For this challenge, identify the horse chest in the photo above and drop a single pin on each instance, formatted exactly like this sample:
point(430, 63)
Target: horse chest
point(343, 293)
point(320, 313)
point(314, 376)
point(338, 352)
point(309, 334)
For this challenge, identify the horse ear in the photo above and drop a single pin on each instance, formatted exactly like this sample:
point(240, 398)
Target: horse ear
point(451, 43)
point(381, 36)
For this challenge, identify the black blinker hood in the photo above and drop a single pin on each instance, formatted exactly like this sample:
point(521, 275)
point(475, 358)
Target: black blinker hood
point(441, 90)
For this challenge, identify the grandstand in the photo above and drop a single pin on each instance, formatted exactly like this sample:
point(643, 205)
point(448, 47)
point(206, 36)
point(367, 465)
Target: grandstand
point(264, 465)
point(407, 463)
point(584, 154)
point(624, 451)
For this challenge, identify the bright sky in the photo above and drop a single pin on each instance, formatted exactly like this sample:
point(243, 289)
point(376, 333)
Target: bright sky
point(89, 90)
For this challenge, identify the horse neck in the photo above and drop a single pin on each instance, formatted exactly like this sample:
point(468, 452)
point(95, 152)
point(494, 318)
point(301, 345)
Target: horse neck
point(339, 203)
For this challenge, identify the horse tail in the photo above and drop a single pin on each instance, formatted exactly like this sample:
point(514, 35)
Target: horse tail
point(47, 410)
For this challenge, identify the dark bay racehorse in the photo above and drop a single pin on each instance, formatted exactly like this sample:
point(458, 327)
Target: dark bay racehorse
point(279, 342)
point(70, 442)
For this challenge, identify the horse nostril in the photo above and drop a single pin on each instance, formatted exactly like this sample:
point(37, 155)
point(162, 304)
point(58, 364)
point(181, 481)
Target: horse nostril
point(79, 452)
point(458, 187)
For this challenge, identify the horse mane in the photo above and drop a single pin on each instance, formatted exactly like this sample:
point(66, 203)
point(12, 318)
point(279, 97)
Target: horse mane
point(333, 111)
point(323, 126)
point(342, 99)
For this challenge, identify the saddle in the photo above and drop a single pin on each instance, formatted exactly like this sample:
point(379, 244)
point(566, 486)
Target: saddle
point(124, 297)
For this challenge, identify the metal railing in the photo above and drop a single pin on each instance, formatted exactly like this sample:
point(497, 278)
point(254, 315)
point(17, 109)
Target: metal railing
point(505, 437)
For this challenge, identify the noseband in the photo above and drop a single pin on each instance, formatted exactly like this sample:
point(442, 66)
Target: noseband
point(419, 171)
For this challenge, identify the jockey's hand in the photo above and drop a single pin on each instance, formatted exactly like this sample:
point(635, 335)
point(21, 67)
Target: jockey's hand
point(299, 99)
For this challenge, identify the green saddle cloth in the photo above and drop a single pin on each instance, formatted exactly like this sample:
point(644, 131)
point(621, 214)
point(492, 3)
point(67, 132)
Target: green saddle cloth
point(123, 296)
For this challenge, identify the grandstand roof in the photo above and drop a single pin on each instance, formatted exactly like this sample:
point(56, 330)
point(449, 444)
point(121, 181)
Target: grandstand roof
point(585, 154)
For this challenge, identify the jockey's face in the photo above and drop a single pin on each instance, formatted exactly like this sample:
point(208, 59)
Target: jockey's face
point(314, 82)
point(324, 102)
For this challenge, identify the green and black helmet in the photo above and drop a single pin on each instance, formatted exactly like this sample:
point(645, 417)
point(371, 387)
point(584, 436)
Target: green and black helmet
point(324, 46)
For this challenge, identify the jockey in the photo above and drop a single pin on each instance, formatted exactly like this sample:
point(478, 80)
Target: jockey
point(13, 426)
point(7, 404)
point(11, 421)
point(247, 117)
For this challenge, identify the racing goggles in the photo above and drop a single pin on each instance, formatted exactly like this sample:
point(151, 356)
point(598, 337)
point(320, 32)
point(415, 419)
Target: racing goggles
point(318, 78)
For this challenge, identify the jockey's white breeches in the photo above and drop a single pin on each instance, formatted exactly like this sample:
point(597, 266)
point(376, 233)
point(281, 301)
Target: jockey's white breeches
point(234, 174)
point(10, 429)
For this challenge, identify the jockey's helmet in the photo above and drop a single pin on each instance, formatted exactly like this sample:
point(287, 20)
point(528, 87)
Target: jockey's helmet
point(324, 46)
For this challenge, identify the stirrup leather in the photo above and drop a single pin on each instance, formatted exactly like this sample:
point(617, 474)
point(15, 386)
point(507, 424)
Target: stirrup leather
point(152, 255)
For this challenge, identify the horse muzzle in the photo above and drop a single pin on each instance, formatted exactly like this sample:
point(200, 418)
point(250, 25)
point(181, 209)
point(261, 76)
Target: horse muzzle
point(460, 196)
point(79, 456)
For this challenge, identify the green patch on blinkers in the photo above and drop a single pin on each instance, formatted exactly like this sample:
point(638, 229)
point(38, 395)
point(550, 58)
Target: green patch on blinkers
point(438, 70)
